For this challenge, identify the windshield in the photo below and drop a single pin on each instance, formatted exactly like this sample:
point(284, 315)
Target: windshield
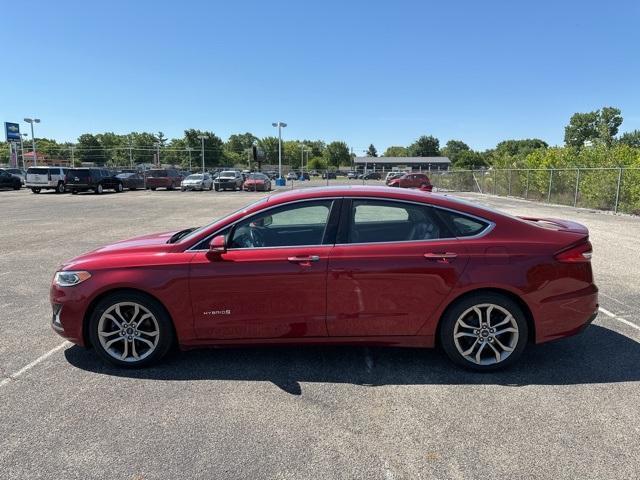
point(228, 173)
point(247, 207)
point(125, 175)
point(195, 177)
point(256, 176)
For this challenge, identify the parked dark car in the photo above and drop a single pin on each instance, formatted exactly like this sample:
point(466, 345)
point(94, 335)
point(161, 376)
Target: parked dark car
point(412, 180)
point(18, 172)
point(272, 174)
point(131, 180)
point(372, 176)
point(229, 180)
point(168, 178)
point(96, 179)
point(329, 175)
point(7, 180)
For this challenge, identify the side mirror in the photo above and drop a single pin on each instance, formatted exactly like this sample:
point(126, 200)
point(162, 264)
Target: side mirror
point(218, 245)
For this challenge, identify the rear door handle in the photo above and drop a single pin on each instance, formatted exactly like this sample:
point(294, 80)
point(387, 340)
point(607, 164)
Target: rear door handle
point(442, 257)
point(303, 260)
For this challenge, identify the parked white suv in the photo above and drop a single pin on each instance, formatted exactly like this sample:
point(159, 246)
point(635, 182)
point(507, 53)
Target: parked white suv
point(46, 178)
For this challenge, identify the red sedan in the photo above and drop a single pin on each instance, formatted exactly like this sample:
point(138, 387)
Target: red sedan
point(257, 182)
point(366, 265)
point(411, 180)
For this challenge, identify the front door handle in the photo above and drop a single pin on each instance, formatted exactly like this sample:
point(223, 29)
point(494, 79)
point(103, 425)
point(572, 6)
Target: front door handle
point(442, 257)
point(304, 260)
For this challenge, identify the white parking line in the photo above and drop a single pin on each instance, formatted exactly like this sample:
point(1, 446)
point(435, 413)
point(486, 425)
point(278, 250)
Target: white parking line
point(620, 319)
point(38, 360)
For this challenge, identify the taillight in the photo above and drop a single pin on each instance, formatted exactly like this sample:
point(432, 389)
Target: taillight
point(576, 254)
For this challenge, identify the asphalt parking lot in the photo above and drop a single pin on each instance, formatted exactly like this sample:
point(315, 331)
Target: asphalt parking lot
point(569, 409)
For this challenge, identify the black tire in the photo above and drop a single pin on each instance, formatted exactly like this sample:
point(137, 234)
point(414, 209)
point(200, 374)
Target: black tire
point(211, 187)
point(74, 192)
point(166, 336)
point(217, 188)
point(60, 188)
point(131, 189)
point(35, 190)
point(119, 188)
point(453, 313)
point(17, 187)
point(99, 189)
point(153, 189)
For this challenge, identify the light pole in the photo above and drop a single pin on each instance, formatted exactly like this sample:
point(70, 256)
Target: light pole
point(189, 150)
point(131, 152)
point(279, 126)
point(302, 151)
point(31, 121)
point(73, 159)
point(24, 167)
point(202, 139)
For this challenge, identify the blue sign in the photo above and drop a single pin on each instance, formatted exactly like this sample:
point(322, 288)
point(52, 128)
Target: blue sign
point(12, 130)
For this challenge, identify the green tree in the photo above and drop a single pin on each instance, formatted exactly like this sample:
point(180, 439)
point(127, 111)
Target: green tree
point(425, 146)
point(600, 126)
point(453, 149)
point(240, 142)
point(395, 152)
point(337, 153)
point(269, 146)
point(371, 151)
point(213, 147)
point(631, 139)
point(89, 149)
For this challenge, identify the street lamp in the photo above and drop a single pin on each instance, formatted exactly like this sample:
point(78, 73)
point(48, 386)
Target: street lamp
point(302, 152)
point(189, 150)
point(33, 139)
point(202, 139)
point(279, 126)
point(22, 148)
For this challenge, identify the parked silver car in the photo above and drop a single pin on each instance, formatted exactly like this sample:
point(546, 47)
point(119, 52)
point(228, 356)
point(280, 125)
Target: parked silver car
point(197, 181)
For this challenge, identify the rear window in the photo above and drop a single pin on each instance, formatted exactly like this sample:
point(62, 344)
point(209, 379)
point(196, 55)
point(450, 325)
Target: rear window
point(79, 173)
point(38, 171)
point(462, 225)
point(158, 173)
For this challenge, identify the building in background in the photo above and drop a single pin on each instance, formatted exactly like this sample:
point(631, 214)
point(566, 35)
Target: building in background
point(386, 164)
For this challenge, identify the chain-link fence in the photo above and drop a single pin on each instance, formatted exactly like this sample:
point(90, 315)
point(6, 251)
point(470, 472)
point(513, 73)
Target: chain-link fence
point(616, 189)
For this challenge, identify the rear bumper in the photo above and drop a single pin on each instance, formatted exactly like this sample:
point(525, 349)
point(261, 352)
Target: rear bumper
point(41, 185)
point(566, 315)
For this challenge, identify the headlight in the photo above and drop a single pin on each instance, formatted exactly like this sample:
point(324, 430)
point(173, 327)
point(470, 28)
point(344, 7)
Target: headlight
point(70, 279)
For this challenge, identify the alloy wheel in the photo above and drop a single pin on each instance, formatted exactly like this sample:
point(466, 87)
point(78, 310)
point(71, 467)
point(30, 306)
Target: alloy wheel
point(128, 332)
point(486, 334)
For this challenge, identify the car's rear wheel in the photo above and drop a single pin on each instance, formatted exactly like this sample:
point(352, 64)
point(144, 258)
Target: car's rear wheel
point(60, 188)
point(35, 190)
point(99, 189)
point(130, 330)
point(74, 192)
point(119, 188)
point(484, 332)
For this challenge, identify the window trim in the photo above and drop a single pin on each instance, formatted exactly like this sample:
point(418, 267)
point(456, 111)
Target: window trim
point(341, 239)
point(336, 202)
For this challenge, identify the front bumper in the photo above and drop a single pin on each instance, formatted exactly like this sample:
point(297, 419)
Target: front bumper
point(68, 309)
point(192, 186)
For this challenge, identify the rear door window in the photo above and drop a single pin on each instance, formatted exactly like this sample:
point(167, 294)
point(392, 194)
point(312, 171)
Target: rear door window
point(462, 225)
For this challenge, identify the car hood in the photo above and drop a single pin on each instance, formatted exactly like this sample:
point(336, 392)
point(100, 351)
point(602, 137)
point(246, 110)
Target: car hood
point(155, 243)
point(193, 181)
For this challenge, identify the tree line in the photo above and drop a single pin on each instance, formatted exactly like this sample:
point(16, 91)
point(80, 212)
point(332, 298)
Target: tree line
point(591, 139)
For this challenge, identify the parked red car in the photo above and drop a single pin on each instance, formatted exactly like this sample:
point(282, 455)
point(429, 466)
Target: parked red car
point(412, 180)
point(365, 265)
point(163, 178)
point(257, 182)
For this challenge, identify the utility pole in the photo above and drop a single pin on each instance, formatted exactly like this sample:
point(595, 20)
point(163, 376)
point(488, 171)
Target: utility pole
point(189, 150)
point(202, 139)
point(73, 158)
point(131, 154)
point(157, 145)
point(24, 167)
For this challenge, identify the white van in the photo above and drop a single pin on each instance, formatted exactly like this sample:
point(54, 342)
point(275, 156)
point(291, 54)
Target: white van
point(46, 178)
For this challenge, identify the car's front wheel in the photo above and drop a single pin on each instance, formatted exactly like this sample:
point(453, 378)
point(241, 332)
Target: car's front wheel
point(119, 188)
point(130, 330)
point(484, 332)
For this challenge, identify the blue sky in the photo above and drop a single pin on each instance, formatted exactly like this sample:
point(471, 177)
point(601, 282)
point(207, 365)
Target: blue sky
point(359, 71)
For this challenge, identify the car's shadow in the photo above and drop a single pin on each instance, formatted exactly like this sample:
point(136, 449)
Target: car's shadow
point(598, 355)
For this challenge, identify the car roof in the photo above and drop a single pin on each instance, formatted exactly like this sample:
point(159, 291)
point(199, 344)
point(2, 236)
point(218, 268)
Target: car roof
point(383, 192)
